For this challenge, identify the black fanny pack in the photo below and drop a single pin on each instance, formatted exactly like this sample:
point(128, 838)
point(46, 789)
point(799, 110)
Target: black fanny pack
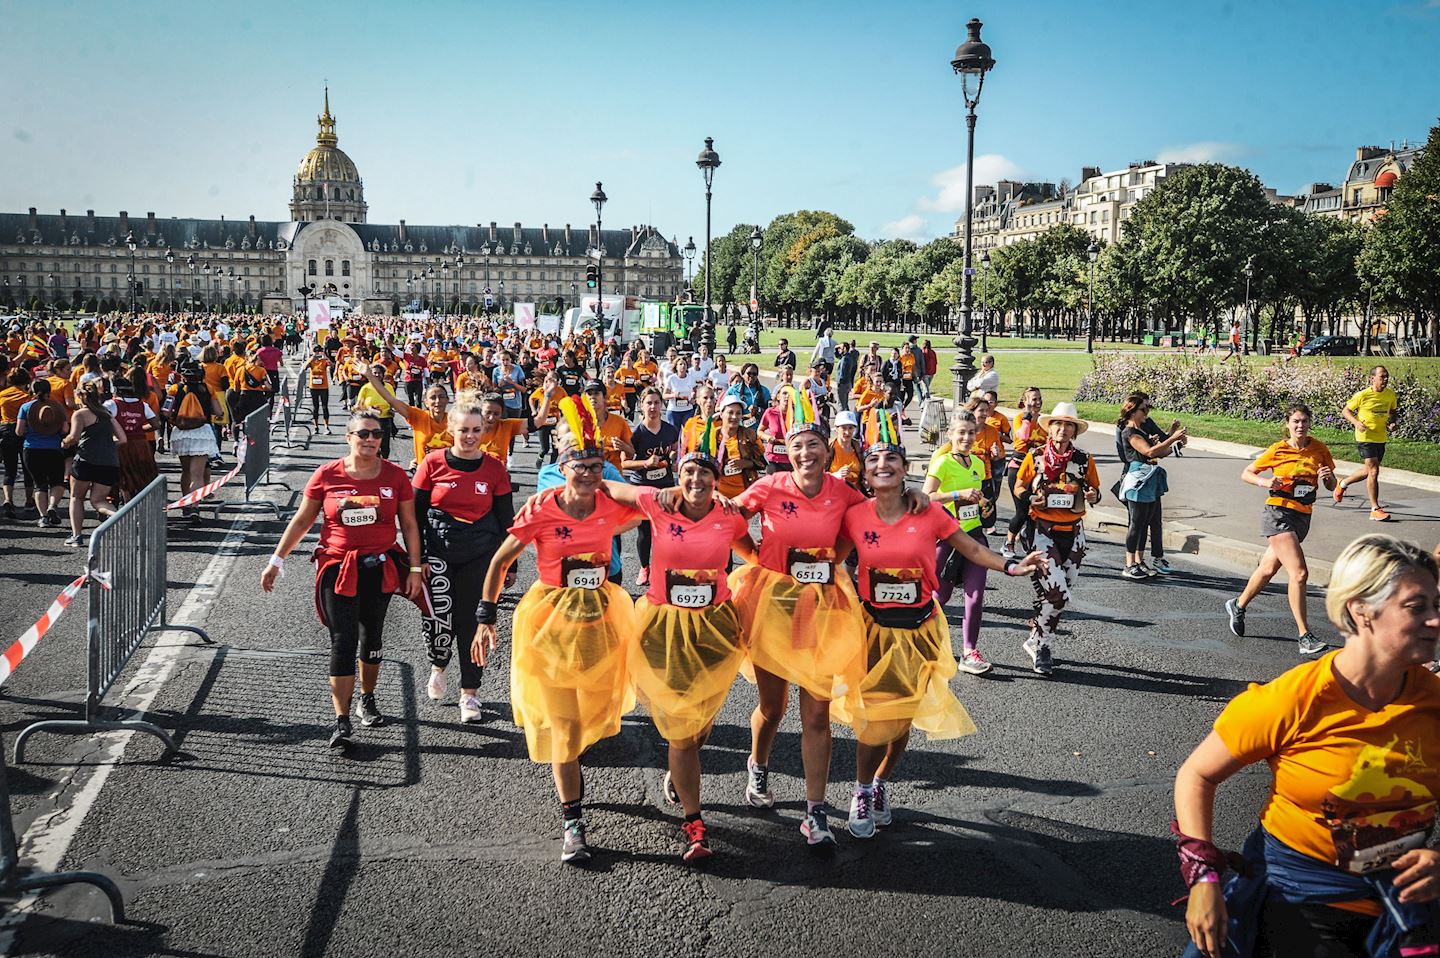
point(460, 542)
point(902, 616)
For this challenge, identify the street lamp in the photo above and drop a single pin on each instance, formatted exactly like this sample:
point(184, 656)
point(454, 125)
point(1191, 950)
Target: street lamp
point(985, 302)
point(757, 239)
point(170, 274)
point(689, 253)
point(501, 300)
point(574, 295)
point(1249, 274)
point(597, 199)
point(1094, 253)
point(130, 244)
point(708, 162)
point(972, 61)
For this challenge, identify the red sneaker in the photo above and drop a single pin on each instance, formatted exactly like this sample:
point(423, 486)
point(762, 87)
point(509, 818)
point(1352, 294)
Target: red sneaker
point(697, 847)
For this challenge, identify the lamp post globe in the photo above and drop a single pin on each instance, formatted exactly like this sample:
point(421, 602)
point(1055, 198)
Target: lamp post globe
point(708, 162)
point(688, 251)
point(971, 62)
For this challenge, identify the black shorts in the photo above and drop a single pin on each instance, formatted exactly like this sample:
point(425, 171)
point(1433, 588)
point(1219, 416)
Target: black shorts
point(100, 475)
point(1371, 450)
point(1276, 520)
point(46, 466)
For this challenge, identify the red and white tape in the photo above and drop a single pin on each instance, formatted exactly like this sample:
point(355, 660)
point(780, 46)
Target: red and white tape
point(195, 495)
point(21, 647)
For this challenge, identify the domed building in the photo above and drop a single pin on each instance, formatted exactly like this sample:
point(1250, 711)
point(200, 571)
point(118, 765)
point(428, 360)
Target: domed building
point(155, 263)
point(327, 185)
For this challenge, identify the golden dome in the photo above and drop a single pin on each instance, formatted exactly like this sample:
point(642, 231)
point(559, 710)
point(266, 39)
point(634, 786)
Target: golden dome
point(327, 163)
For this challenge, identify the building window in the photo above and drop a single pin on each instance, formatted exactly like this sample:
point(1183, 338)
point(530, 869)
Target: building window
point(1092, 217)
point(312, 267)
point(329, 267)
point(344, 267)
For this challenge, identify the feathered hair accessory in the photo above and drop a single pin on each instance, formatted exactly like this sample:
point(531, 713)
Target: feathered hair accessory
point(706, 449)
point(579, 415)
point(798, 409)
point(882, 433)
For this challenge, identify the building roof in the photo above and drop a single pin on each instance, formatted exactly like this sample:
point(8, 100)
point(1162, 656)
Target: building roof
point(1364, 171)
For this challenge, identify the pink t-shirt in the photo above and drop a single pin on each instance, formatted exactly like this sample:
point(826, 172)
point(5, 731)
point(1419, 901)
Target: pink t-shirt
point(799, 534)
point(571, 553)
point(688, 557)
point(773, 422)
point(269, 357)
point(897, 562)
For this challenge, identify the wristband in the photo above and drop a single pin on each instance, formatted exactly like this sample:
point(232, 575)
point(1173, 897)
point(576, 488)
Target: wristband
point(278, 564)
point(487, 614)
point(416, 568)
point(1010, 565)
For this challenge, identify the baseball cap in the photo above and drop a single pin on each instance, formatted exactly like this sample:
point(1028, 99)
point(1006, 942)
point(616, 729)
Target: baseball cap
point(730, 399)
point(592, 385)
point(846, 418)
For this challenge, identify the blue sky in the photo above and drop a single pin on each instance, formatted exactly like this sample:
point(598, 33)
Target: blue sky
point(470, 112)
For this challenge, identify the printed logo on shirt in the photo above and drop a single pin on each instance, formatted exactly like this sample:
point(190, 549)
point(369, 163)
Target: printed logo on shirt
point(872, 538)
point(677, 531)
point(387, 492)
point(790, 509)
point(482, 488)
point(563, 533)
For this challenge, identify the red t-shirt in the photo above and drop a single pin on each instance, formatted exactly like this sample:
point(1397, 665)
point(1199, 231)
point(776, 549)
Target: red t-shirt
point(571, 553)
point(799, 534)
point(359, 513)
point(688, 557)
point(897, 562)
point(468, 496)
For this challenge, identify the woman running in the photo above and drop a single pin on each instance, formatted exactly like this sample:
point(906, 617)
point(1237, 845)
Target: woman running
point(96, 436)
point(1026, 436)
point(956, 480)
point(1338, 864)
point(907, 640)
point(845, 449)
point(317, 375)
point(568, 685)
point(1296, 464)
point(688, 645)
point(14, 393)
point(1061, 480)
point(191, 410)
point(358, 566)
point(429, 427)
point(464, 505)
point(799, 610)
point(39, 423)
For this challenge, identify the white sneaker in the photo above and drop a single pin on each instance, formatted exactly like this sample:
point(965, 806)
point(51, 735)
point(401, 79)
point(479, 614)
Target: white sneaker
point(435, 688)
point(880, 805)
point(757, 787)
point(470, 710)
point(862, 823)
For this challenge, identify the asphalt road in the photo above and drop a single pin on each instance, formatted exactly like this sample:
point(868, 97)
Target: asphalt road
point(1043, 834)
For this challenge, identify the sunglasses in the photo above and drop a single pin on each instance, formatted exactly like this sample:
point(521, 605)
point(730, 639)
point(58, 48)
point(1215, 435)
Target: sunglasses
point(368, 433)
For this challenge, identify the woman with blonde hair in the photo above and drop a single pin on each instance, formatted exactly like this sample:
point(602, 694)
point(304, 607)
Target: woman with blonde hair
point(1338, 864)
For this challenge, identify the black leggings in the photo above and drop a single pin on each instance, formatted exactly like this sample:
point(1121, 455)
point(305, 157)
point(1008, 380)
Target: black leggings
point(642, 543)
point(357, 622)
point(414, 391)
point(1142, 519)
point(320, 406)
point(1021, 518)
point(1320, 931)
point(547, 448)
point(455, 592)
point(10, 445)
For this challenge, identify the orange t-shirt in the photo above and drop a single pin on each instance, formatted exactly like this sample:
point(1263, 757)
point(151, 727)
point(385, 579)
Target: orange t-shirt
point(845, 463)
point(498, 442)
point(1298, 471)
point(428, 432)
point(1050, 503)
point(317, 374)
point(612, 429)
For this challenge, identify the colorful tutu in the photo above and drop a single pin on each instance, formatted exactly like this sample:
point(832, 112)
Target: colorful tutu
point(568, 684)
point(809, 635)
point(907, 683)
point(682, 663)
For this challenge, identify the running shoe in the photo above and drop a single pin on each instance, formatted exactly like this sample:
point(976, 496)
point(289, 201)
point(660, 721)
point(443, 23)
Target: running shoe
point(341, 736)
point(1379, 515)
point(435, 688)
point(1146, 571)
point(72, 540)
point(51, 520)
point(861, 824)
point(369, 711)
point(643, 579)
point(757, 787)
point(574, 848)
point(880, 805)
point(470, 710)
point(973, 662)
point(9, 510)
point(816, 829)
point(1041, 662)
point(1237, 616)
point(1162, 566)
point(697, 846)
point(1007, 551)
point(1339, 493)
point(1310, 644)
point(667, 788)
point(1132, 572)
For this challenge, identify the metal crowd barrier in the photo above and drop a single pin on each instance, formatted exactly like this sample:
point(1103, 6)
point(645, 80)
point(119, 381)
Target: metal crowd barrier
point(127, 565)
point(257, 457)
point(289, 406)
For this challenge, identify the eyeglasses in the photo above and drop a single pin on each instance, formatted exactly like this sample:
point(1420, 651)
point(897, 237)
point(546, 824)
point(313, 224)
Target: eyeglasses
point(368, 433)
point(593, 468)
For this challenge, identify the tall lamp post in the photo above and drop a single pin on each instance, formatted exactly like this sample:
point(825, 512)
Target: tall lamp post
point(597, 199)
point(708, 162)
point(689, 253)
point(130, 244)
point(757, 239)
point(985, 302)
point(170, 274)
point(972, 61)
point(1094, 253)
point(1249, 275)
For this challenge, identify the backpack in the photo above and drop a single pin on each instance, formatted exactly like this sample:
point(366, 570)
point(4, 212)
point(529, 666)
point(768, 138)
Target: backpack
point(184, 409)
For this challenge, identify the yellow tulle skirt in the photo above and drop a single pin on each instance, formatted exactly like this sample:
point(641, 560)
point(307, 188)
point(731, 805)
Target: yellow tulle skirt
point(682, 663)
point(568, 684)
point(809, 635)
point(907, 682)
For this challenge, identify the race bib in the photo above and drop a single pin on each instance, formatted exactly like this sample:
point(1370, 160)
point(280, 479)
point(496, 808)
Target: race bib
point(585, 577)
point(1060, 500)
point(1304, 491)
point(317, 382)
point(1370, 842)
point(811, 566)
point(690, 588)
point(660, 473)
point(895, 586)
point(968, 510)
point(359, 516)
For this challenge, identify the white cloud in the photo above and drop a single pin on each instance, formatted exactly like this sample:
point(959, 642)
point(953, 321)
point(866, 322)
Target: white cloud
point(1207, 151)
point(989, 167)
point(912, 227)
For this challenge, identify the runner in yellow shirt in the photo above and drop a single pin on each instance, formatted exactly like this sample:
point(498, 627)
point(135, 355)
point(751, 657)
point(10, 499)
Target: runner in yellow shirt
point(1372, 412)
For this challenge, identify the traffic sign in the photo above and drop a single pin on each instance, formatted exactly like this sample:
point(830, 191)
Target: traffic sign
point(487, 290)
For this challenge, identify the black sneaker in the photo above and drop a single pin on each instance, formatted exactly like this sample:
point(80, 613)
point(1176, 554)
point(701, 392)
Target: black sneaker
point(1310, 644)
point(1237, 616)
point(51, 520)
point(369, 712)
point(9, 511)
point(341, 736)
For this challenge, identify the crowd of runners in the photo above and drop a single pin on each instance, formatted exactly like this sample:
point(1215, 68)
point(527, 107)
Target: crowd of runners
point(779, 538)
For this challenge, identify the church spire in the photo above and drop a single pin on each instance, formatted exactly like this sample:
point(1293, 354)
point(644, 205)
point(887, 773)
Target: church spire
point(326, 136)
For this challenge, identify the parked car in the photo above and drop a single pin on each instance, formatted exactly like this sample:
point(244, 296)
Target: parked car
point(1331, 346)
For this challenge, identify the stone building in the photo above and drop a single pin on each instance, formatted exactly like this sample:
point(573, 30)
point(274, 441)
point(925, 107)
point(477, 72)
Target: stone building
point(72, 261)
